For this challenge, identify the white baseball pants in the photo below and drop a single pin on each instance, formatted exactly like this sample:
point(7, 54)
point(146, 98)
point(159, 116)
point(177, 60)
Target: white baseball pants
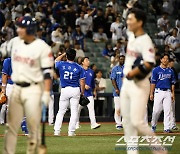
point(133, 102)
point(24, 101)
point(90, 107)
point(162, 101)
point(69, 96)
point(117, 107)
point(3, 109)
point(51, 110)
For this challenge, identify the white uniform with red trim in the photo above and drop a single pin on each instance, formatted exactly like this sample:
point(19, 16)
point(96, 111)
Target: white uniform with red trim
point(134, 94)
point(27, 63)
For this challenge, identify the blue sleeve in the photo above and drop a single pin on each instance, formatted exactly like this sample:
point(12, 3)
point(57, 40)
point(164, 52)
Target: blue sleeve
point(6, 67)
point(82, 73)
point(113, 74)
point(173, 78)
point(154, 76)
point(57, 64)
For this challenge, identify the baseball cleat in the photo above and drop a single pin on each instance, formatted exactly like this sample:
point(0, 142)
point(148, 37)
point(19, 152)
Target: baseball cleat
point(95, 126)
point(78, 126)
point(167, 131)
point(71, 134)
point(56, 133)
point(153, 128)
point(174, 128)
point(51, 124)
point(119, 127)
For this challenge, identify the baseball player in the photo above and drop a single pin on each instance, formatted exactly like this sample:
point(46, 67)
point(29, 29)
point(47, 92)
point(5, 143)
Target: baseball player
point(32, 64)
point(116, 78)
point(72, 83)
point(7, 85)
point(135, 89)
point(162, 92)
point(89, 90)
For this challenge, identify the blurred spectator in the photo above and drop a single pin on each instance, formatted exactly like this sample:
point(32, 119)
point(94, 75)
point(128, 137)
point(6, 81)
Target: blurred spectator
point(93, 67)
point(79, 51)
point(67, 45)
point(79, 59)
point(173, 40)
point(89, 19)
point(109, 17)
point(57, 35)
point(17, 10)
point(120, 46)
point(82, 22)
point(162, 34)
point(167, 6)
point(100, 86)
point(39, 15)
point(78, 36)
point(8, 30)
point(163, 21)
point(68, 35)
point(70, 16)
point(108, 51)
point(116, 29)
point(115, 58)
point(2, 19)
point(115, 6)
point(100, 36)
point(99, 20)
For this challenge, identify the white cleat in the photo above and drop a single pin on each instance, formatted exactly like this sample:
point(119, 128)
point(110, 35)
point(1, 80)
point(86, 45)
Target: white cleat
point(71, 134)
point(95, 126)
point(56, 133)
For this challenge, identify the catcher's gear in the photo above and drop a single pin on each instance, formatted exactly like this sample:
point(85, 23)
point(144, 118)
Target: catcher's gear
point(83, 100)
point(3, 98)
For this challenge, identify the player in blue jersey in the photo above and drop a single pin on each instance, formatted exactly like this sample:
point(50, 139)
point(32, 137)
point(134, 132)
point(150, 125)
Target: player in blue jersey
point(7, 85)
point(116, 78)
point(89, 91)
point(162, 92)
point(72, 83)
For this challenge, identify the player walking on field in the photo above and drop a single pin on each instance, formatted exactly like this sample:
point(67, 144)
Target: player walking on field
point(116, 78)
point(72, 83)
point(89, 89)
point(32, 64)
point(136, 87)
point(162, 92)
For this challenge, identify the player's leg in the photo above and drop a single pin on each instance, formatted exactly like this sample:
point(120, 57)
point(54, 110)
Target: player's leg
point(116, 116)
point(129, 129)
point(172, 117)
point(92, 117)
point(2, 114)
point(63, 104)
point(167, 103)
point(157, 108)
point(74, 103)
point(33, 106)
point(79, 112)
point(51, 111)
point(14, 119)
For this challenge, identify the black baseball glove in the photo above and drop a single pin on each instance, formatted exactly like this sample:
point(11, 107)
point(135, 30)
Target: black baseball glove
point(83, 100)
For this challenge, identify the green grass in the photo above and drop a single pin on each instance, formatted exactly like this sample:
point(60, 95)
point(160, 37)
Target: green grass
point(83, 142)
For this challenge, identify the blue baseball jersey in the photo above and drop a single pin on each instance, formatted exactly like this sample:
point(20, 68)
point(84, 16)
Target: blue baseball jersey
point(7, 69)
point(117, 75)
point(90, 81)
point(163, 77)
point(70, 73)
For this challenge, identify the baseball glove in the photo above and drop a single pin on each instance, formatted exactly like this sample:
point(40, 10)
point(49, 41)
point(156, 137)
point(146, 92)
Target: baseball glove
point(83, 100)
point(3, 98)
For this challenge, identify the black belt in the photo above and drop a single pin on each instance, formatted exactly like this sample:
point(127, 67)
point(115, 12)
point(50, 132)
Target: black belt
point(163, 89)
point(24, 84)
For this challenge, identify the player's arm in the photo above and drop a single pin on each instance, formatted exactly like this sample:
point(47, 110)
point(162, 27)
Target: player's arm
point(152, 88)
point(141, 70)
point(82, 85)
point(115, 86)
point(59, 58)
point(4, 82)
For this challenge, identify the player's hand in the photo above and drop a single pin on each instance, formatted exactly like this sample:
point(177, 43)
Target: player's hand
point(87, 87)
point(45, 98)
point(173, 98)
point(151, 97)
point(117, 91)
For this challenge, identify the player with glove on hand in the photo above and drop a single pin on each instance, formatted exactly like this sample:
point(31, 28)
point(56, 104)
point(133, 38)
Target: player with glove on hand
point(32, 63)
point(136, 86)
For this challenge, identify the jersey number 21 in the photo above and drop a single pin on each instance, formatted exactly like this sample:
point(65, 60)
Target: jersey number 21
point(68, 75)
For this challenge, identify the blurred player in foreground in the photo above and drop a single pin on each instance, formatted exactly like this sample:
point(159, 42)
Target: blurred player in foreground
point(32, 63)
point(136, 87)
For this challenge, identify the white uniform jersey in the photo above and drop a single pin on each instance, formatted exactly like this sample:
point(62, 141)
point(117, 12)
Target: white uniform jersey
point(140, 46)
point(29, 59)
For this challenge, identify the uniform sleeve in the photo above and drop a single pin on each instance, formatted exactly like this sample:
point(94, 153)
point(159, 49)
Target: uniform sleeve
point(46, 57)
point(113, 74)
point(5, 69)
point(57, 64)
point(147, 50)
point(82, 73)
point(173, 78)
point(154, 77)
